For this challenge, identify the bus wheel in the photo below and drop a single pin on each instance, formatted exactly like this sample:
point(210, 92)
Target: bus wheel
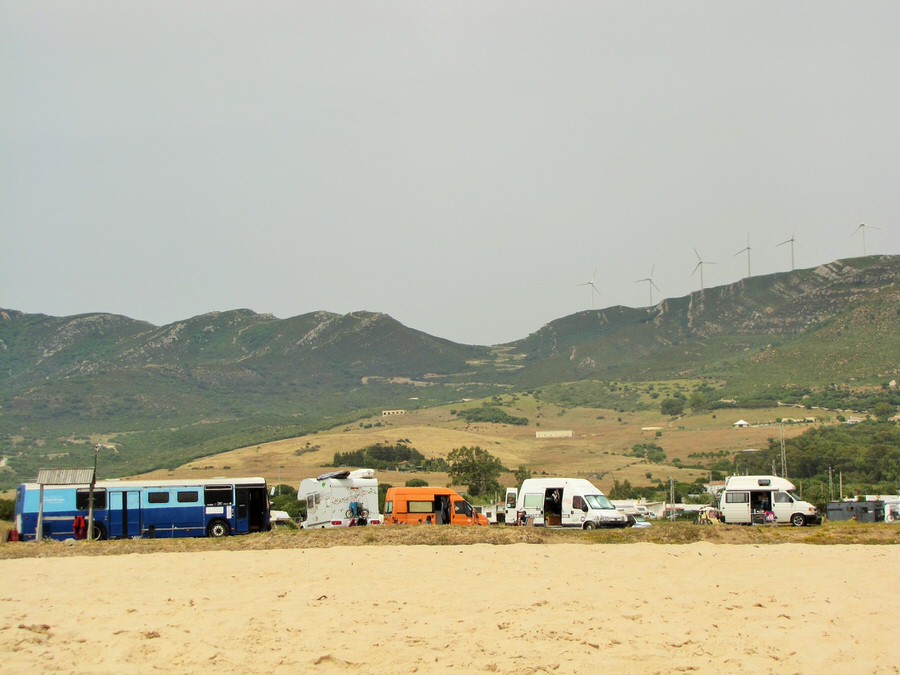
point(218, 528)
point(798, 520)
point(589, 525)
point(99, 532)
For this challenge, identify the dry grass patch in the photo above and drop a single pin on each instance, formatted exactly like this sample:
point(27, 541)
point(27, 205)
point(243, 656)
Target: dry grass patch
point(660, 533)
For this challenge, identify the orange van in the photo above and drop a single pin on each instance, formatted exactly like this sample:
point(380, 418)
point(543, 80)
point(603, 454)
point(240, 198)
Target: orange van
point(428, 506)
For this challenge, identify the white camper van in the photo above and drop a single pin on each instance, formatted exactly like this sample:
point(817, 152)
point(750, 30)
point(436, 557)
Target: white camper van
point(759, 499)
point(340, 499)
point(562, 502)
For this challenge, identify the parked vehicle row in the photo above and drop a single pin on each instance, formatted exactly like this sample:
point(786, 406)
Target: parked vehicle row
point(219, 507)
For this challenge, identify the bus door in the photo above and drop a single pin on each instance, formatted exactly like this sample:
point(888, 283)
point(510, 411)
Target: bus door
point(124, 514)
point(251, 509)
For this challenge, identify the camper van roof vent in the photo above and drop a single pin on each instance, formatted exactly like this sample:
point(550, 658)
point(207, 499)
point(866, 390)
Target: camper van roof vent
point(764, 481)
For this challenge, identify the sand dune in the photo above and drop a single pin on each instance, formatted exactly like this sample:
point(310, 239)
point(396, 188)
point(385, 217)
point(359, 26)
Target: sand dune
point(640, 608)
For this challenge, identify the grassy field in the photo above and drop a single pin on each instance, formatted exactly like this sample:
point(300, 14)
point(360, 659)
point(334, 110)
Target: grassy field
point(599, 448)
point(660, 533)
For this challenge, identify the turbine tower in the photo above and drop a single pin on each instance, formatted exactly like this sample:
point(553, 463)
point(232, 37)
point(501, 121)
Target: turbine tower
point(862, 228)
point(700, 263)
point(747, 249)
point(593, 288)
point(651, 285)
point(791, 242)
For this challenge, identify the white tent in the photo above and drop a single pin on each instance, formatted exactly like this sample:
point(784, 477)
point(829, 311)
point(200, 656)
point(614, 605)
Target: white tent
point(741, 423)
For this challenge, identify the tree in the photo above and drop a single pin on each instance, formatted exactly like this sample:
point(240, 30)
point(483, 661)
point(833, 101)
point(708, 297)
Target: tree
point(621, 490)
point(416, 482)
point(883, 411)
point(672, 406)
point(476, 468)
point(522, 474)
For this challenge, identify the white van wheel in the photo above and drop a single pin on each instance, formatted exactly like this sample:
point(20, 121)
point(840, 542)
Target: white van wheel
point(589, 525)
point(798, 520)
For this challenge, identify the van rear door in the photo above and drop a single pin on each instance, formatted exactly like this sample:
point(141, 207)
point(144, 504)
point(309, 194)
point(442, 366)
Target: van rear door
point(510, 513)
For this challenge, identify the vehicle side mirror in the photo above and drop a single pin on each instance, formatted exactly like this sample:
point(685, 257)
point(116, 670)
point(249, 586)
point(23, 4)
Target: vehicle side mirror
point(584, 507)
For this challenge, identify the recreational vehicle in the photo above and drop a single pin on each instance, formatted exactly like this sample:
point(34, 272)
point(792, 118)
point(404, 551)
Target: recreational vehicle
point(562, 502)
point(340, 499)
point(214, 507)
point(429, 506)
point(759, 499)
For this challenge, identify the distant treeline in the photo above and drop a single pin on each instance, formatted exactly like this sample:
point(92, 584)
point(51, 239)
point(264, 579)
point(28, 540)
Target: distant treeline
point(490, 413)
point(385, 457)
point(833, 397)
point(866, 456)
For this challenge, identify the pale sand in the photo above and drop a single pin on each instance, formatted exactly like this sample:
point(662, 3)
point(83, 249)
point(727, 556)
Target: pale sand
point(639, 608)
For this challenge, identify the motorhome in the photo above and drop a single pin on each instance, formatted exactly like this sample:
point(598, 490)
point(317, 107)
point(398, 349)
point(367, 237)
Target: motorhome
point(759, 499)
point(428, 506)
point(562, 502)
point(340, 499)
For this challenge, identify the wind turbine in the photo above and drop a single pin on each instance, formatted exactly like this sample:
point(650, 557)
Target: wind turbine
point(791, 242)
point(700, 263)
point(651, 284)
point(593, 288)
point(862, 228)
point(747, 249)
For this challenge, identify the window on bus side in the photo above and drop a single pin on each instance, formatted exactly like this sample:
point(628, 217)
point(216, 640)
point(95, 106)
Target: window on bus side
point(218, 496)
point(388, 508)
point(158, 497)
point(737, 497)
point(82, 499)
point(188, 497)
point(783, 498)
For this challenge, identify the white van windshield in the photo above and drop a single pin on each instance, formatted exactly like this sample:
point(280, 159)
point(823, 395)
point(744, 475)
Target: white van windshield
point(598, 502)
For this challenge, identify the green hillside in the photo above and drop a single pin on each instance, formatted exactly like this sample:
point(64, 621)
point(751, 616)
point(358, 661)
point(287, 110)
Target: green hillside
point(217, 381)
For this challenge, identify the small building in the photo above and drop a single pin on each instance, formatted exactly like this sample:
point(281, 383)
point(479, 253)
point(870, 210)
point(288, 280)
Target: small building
point(389, 413)
point(553, 434)
point(741, 424)
point(861, 511)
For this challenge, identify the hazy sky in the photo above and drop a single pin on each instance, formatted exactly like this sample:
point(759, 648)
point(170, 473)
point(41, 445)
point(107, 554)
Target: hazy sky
point(461, 166)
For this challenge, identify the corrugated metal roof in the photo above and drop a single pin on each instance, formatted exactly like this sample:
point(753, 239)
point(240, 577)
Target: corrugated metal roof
point(64, 476)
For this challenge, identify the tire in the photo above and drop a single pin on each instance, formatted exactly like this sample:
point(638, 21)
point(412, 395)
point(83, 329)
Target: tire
point(798, 520)
point(99, 533)
point(589, 525)
point(218, 529)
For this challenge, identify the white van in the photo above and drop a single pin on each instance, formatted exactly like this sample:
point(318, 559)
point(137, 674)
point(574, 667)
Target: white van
point(758, 499)
point(340, 499)
point(562, 502)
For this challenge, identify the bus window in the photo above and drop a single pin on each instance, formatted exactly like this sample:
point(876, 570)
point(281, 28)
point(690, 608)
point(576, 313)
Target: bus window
point(218, 495)
point(82, 499)
point(388, 508)
point(188, 497)
point(310, 502)
point(157, 497)
point(462, 509)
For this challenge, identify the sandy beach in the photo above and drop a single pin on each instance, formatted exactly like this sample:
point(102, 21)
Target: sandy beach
point(640, 608)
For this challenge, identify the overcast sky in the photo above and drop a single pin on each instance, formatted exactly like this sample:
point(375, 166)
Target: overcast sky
point(461, 166)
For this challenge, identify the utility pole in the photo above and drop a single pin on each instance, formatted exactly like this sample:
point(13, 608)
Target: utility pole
point(90, 532)
point(783, 455)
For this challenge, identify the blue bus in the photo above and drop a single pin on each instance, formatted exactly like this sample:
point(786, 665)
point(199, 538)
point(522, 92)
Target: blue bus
point(215, 507)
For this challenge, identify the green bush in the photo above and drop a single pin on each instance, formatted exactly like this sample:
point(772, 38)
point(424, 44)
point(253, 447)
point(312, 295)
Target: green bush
point(7, 509)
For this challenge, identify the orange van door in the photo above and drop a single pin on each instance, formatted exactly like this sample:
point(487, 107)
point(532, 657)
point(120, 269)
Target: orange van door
point(462, 512)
